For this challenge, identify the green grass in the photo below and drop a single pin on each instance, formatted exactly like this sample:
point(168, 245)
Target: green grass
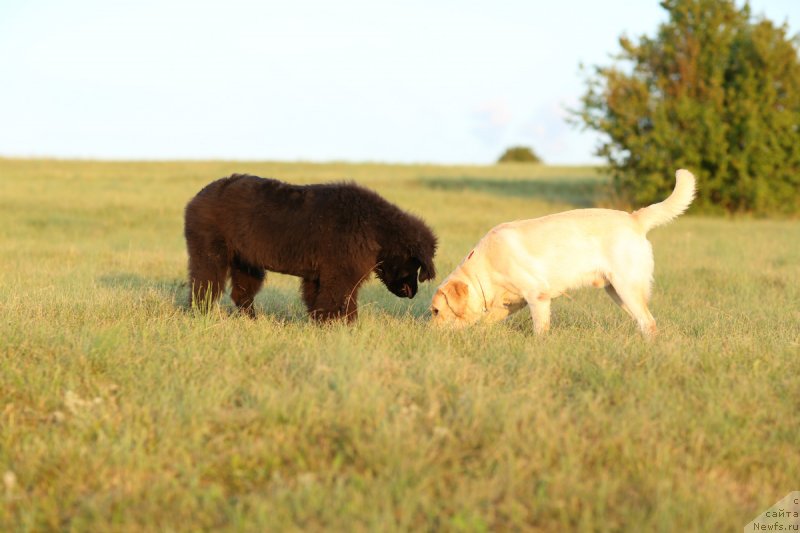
point(122, 411)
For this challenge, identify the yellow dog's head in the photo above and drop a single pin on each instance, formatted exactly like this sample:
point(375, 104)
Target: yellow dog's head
point(455, 304)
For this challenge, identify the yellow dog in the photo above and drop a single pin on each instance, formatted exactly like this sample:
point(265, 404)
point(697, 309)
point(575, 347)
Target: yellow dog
point(530, 262)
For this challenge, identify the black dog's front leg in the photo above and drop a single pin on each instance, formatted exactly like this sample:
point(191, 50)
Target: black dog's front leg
point(331, 299)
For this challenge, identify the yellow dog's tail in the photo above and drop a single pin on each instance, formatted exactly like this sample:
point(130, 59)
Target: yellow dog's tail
point(657, 214)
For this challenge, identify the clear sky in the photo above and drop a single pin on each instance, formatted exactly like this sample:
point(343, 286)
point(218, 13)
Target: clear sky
point(440, 81)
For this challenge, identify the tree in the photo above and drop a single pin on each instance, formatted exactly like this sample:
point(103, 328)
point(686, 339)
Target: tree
point(715, 92)
point(519, 154)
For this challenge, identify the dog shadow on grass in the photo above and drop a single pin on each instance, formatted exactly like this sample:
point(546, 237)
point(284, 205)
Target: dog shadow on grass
point(174, 289)
point(272, 301)
point(279, 303)
point(578, 192)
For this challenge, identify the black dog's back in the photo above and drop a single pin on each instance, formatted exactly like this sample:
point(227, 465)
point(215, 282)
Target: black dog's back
point(287, 228)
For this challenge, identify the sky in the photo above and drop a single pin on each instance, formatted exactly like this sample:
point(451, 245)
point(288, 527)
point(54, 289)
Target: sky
point(437, 81)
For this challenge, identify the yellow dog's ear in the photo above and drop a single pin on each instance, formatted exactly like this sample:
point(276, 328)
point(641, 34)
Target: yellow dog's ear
point(456, 293)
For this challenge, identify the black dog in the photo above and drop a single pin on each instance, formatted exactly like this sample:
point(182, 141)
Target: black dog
point(331, 235)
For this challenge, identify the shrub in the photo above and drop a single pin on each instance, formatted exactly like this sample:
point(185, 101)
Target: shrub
point(713, 91)
point(519, 154)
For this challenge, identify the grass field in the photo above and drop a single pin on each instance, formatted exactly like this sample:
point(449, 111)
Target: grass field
point(122, 411)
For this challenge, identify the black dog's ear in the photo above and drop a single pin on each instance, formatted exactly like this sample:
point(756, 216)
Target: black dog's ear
point(426, 269)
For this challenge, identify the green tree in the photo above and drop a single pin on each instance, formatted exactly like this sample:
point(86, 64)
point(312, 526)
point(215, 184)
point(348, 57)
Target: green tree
point(715, 91)
point(519, 154)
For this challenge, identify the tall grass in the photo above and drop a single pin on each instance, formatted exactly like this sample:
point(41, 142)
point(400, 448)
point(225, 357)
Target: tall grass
point(121, 410)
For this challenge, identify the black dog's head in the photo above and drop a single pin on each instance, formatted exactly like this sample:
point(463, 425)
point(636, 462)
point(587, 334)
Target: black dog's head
point(407, 246)
point(400, 274)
